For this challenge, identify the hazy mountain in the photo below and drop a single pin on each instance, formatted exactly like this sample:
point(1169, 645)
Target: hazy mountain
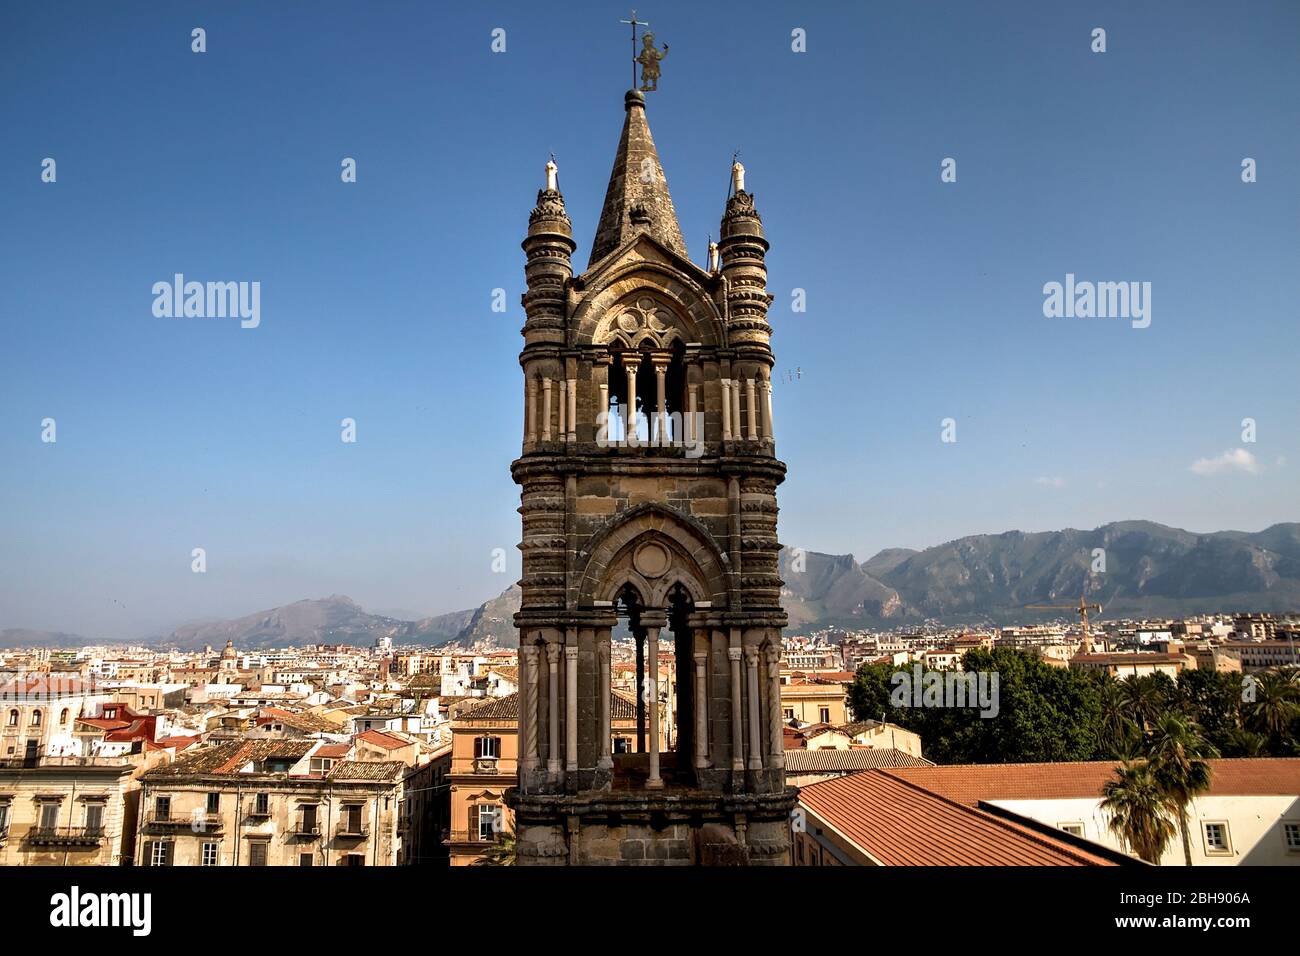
point(827, 588)
point(1150, 569)
point(332, 620)
point(493, 622)
point(24, 637)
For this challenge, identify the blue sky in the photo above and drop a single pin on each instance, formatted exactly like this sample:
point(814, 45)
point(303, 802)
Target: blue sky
point(924, 298)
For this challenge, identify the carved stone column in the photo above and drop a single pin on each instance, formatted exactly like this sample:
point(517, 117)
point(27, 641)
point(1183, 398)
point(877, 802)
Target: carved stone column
point(768, 433)
point(726, 409)
point(528, 710)
point(630, 365)
point(776, 748)
point(751, 409)
point(690, 426)
point(652, 693)
point(701, 709)
point(532, 409)
point(553, 729)
point(756, 734)
point(571, 707)
point(737, 737)
point(546, 409)
point(573, 409)
point(661, 401)
point(604, 761)
point(735, 408)
point(564, 410)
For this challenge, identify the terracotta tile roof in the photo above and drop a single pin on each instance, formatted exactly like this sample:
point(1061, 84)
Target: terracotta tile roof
point(309, 723)
point(103, 723)
point(495, 708)
point(510, 673)
point(845, 761)
point(335, 751)
point(900, 824)
point(385, 741)
point(362, 770)
point(228, 758)
point(971, 783)
point(860, 727)
point(622, 706)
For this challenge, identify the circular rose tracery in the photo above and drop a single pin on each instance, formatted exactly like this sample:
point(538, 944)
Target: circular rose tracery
point(652, 560)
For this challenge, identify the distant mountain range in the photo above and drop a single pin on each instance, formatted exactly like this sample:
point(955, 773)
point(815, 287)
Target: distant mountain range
point(1150, 570)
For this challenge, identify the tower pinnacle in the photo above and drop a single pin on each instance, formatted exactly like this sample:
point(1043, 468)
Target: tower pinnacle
point(637, 199)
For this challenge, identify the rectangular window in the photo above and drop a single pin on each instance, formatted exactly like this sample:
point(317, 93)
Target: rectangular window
point(257, 853)
point(214, 803)
point(356, 859)
point(162, 808)
point(489, 747)
point(1291, 831)
point(308, 822)
point(94, 817)
point(262, 804)
point(306, 859)
point(1216, 838)
point(488, 814)
point(824, 714)
point(49, 816)
point(160, 853)
point(352, 818)
point(1074, 829)
point(210, 854)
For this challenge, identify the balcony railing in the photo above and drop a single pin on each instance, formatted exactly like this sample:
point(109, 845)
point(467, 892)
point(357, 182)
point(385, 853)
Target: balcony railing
point(485, 764)
point(352, 831)
point(66, 836)
point(307, 831)
point(472, 836)
point(201, 823)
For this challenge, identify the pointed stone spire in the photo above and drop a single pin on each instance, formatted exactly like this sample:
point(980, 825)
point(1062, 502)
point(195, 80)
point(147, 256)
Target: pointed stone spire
point(637, 199)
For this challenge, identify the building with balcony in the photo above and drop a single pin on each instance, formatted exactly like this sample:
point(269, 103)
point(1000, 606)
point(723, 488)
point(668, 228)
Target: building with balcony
point(277, 803)
point(70, 811)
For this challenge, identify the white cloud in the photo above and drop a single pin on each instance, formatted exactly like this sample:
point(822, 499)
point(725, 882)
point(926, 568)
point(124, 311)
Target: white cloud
point(1051, 482)
point(1237, 459)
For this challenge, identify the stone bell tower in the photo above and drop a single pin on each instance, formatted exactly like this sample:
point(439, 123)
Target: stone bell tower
point(648, 476)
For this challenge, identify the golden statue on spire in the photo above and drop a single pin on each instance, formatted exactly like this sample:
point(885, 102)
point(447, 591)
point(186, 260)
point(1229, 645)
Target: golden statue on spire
point(649, 60)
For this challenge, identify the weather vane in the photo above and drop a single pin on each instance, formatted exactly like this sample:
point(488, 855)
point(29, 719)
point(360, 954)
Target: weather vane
point(649, 57)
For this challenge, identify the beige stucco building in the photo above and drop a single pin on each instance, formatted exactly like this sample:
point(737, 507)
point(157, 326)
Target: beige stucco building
point(279, 803)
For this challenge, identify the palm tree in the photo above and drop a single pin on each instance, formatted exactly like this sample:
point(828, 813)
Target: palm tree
point(502, 852)
point(1118, 731)
point(1139, 811)
point(1275, 706)
point(1174, 751)
point(1145, 698)
point(1239, 742)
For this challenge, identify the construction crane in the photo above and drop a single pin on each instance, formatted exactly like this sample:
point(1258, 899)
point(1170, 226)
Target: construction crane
point(1081, 609)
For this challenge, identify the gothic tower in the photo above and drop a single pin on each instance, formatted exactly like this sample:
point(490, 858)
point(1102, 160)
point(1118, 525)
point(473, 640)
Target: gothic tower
point(648, 477)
